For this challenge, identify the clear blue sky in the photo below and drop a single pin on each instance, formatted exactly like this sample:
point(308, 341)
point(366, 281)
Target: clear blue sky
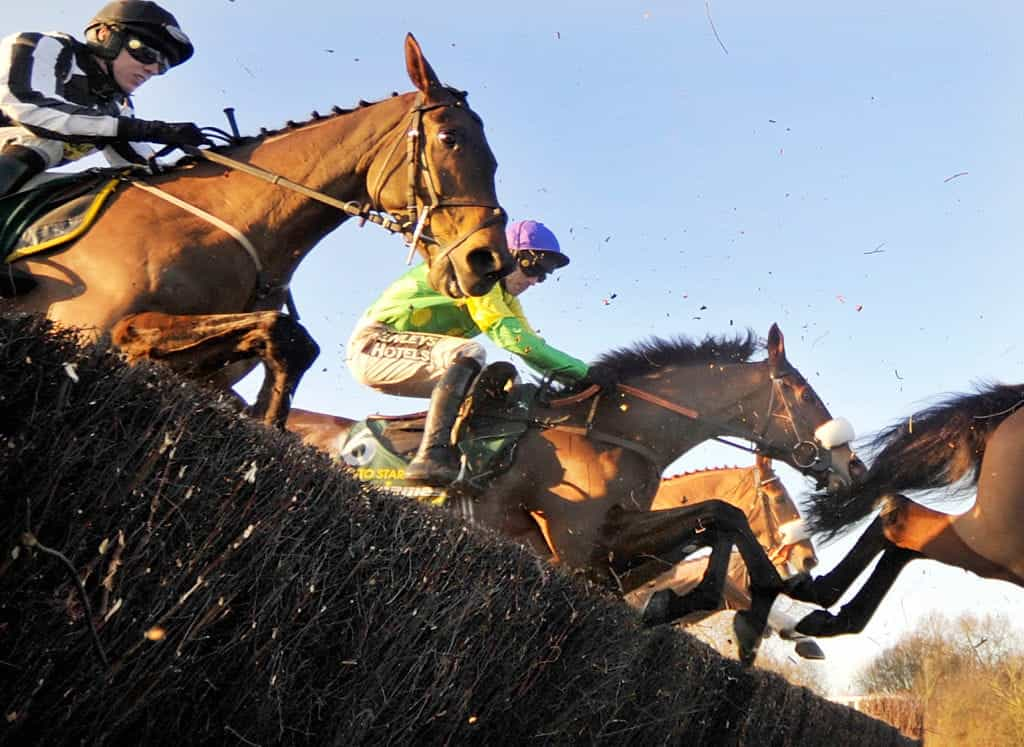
point(851, 171)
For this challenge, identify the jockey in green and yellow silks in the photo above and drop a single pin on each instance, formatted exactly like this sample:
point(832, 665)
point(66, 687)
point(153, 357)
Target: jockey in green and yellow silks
point(416, 342)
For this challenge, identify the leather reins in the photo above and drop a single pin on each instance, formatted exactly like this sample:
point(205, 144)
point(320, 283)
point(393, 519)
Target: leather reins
point(761, 444)
point(414, 226)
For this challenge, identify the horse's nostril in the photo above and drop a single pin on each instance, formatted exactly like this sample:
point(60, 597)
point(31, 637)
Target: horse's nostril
point(809, 564)
point(482, 261)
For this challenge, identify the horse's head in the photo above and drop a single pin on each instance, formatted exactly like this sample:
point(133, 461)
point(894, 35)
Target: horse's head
point(446, 193)
point(791, 549)
point(799, 430)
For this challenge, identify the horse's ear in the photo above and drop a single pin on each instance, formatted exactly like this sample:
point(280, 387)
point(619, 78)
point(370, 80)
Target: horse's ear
point(763, 462)
point(776, 346)
point(420, 72)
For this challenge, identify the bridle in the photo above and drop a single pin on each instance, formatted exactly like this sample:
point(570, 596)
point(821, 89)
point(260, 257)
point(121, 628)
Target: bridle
point(422, 195)
point(812, 455)
point(413, 224)
point(784, 536)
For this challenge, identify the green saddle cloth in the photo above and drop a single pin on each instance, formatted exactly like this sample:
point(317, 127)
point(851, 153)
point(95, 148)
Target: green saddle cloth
point(379, 449)
point(24, 219)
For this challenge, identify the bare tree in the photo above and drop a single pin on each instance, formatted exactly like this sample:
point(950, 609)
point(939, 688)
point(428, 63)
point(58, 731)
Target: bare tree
point(968, 672)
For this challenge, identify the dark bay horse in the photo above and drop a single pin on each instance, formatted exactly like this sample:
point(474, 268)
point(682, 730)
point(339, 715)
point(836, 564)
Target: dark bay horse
point(585, 473)
point(191, 268)
point(773, 518)
point(968, 440)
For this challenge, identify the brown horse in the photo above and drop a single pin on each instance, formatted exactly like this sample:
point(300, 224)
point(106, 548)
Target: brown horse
point(584, 475)
point(761, 495)
point(773, 518)
point(757, 491)
point(192, 267)
point(974, 438)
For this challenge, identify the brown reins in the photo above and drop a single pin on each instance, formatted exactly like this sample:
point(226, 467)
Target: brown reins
point(761, 444)
point(415, 225)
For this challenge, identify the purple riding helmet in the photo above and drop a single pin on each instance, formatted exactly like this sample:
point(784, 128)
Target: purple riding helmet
point(533, 237)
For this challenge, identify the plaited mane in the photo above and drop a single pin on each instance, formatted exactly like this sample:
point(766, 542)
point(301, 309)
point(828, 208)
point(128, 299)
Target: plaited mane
point(704, 470)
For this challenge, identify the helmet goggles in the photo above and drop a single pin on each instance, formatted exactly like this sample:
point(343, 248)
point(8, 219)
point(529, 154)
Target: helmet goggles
point(536, 264)
point(146, 53)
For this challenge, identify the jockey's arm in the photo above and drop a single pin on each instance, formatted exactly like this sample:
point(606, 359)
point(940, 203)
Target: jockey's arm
point(501, 318)
point(36, 68)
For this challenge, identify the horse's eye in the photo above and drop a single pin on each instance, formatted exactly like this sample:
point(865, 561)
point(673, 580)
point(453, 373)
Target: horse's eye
point(806, 396)
point(449, 138)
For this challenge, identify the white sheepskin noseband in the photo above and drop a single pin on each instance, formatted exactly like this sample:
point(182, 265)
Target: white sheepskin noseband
point(836, 432)
point(793, 532)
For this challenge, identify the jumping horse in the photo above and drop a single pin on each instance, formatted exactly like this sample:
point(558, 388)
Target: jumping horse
point(968, 440)
point(192, 267)
point(773, 518)
point(756, 490)
point(585, 472)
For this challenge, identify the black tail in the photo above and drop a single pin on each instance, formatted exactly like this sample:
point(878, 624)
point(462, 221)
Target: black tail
point(931, 449)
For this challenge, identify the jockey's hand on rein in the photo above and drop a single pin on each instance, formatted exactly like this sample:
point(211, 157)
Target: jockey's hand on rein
point(603, 376)
point(155, 131)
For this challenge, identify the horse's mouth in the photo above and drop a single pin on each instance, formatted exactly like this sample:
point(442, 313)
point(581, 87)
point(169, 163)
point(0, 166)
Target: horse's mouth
point(452, 288)
point(475, 280)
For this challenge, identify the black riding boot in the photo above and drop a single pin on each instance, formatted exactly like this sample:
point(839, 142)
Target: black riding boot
point(17, 166)
point(437, 462)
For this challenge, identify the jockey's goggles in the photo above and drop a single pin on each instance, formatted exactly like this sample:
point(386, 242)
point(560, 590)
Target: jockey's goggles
point(533, 265)
point(147, 54)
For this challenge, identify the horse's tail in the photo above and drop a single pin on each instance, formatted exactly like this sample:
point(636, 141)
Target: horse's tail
point(934, 448)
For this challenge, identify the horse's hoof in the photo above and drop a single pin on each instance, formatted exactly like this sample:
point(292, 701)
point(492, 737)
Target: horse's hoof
point(818, 623)
point(748, 638)
point(658, 609)
point(807, 648)
point(799, 586)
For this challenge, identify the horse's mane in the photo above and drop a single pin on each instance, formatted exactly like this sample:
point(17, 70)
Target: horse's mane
point(290, 125)
point(316, 117)
point(939, 447)
point(649, 355)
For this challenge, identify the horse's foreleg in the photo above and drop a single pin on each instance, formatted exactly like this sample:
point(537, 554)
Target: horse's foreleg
point(826, 589)
point(198, 347)
point(707, 596)
point(629, 537)
point(855, 614)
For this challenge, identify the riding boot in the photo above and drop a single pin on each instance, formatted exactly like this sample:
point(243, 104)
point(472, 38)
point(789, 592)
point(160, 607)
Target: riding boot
point(437, 462)
point(17, 165)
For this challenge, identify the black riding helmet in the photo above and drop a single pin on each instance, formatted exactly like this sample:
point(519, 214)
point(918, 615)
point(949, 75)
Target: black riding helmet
point(141, 18)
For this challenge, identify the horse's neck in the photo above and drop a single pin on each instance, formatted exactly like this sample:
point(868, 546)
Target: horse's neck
point(736, 486)
point(722, 395)
point(331, 155)
point(325, 432)
point(698, 487)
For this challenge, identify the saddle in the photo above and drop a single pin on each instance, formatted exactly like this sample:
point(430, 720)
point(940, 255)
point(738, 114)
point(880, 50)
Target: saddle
point(53, 213)
point(491, 423)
